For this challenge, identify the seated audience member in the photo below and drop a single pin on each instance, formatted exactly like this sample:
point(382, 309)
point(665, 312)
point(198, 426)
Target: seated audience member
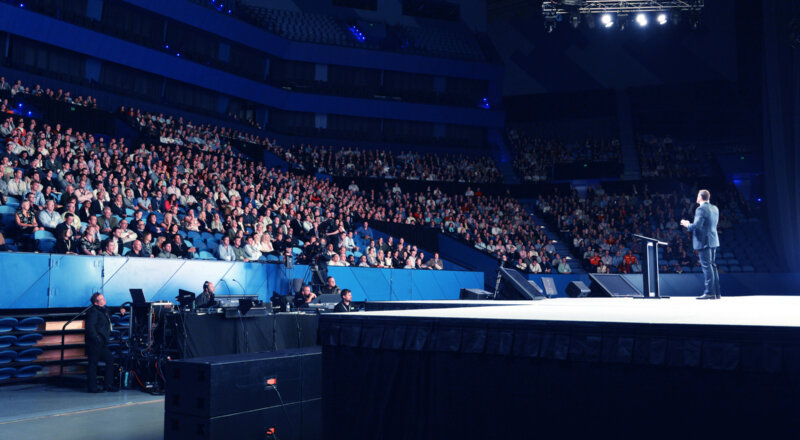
point(435, 263)
point(49, 219)
point(225, 251)
point(166, 251)
point(563, 267)
point(88, 244)
point(251, 251)
point(64, 242)
point(137, 250)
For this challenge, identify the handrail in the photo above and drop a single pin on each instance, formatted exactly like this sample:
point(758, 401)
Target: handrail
point(64, 335)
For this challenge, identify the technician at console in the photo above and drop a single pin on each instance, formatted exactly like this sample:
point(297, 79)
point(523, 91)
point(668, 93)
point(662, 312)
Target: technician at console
point(206, 299)
point(345, 304)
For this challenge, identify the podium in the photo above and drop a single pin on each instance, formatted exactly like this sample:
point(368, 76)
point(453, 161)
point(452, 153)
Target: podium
point(650, 286)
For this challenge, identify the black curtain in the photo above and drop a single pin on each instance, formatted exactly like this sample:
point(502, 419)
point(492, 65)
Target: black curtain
point(781, 105)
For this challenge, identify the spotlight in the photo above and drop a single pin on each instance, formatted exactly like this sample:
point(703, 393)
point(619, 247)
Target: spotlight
point(607, 20)
point(641, 19)
point(662, 19)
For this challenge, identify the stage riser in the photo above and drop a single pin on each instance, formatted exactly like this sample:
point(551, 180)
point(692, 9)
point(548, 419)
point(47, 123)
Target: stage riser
point(432, 378)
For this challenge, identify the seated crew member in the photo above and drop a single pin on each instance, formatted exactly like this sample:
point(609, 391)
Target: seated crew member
point(344, 305)
point(304, 297)
point(98, 331)
point(330, 287)
point(206, 299)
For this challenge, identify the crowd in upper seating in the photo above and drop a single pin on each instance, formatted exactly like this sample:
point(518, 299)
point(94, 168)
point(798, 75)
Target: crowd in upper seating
point(660, 157)
point(534, 156)
point(356, 162)
point(11, 90)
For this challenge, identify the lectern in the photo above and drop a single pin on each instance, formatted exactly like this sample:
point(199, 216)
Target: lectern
point(650, 287)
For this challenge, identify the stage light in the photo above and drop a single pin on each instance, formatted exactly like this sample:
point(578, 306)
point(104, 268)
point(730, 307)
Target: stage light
point(662, 19)
point(641, 19)
point(607, 20)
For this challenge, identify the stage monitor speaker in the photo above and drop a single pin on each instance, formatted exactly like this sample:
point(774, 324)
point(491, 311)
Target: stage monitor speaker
point(219, 385)
point(577, 289)
point(473, 294)
point(516, 287)
point(612, 285)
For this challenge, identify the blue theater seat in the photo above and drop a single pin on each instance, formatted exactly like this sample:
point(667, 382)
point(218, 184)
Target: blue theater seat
point(30, 324)
point(28, 371)
point(7, 356)
point(7, 324)
point(28, 340)
point(7, 341)
point(29, 355)
point(7, 373)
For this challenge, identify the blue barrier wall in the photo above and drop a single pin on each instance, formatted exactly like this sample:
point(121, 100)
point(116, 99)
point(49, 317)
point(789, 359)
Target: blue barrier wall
point(51, 280)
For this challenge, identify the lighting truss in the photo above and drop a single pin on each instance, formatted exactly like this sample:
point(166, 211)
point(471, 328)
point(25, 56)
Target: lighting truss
point(552, 8)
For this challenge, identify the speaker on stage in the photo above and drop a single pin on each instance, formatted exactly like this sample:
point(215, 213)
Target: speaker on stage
point(612, 285)
point(474, 294)
point(516, 287)
point(576, 289)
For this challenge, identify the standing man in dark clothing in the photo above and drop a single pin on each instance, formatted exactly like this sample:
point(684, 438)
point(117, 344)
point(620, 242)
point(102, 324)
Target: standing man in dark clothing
point(98, 330)
point(344, 305)
point(706, 241)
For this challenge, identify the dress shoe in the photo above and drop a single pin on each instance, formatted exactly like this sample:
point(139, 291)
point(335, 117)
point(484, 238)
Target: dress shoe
point(95, 391)
point(707, 296)
point(113, 389)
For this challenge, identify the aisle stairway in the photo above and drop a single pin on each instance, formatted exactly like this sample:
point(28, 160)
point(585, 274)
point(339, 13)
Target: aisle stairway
point(562, 248)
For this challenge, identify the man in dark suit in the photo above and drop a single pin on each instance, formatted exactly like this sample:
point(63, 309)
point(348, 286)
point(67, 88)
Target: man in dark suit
point(705, 241)
point(98, 330)
point(345, 304)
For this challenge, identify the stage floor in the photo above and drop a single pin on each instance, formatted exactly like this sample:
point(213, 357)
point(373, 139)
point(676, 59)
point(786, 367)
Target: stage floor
point(774, 311)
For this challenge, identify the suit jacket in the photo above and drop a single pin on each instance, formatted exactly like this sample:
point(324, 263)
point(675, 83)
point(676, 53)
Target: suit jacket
point(98, 326)
point(704, 227)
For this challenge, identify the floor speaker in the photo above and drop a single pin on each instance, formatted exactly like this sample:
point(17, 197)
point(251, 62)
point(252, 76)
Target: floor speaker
point(474, 294)
point(516, 287)
point(612, 285)
point(577, 289)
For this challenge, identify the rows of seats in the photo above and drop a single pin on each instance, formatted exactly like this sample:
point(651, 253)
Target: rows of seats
point(428, 39)
point(443, 43)
point(18, 352)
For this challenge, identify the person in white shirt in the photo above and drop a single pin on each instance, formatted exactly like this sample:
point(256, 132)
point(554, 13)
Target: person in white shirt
point(336, 261)
point(251, 251)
